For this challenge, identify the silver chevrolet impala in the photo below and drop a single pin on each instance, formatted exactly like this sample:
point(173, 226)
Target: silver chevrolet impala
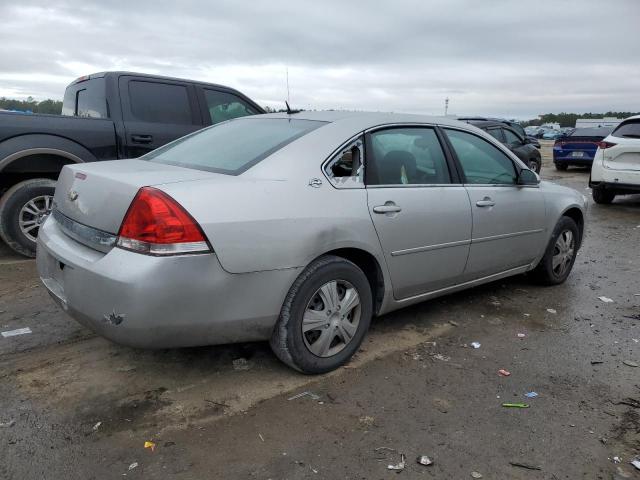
point(298, 228)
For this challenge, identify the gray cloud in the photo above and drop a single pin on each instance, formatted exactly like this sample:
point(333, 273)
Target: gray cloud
point(496, 58)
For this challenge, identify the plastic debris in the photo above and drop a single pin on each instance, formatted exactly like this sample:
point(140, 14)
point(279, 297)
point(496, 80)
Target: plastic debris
point(439, 356)
point(616, 460)
point(241, 364)
point(525, 465)
point(606, 299)
point(515, 405)
point(398, 467)
point(476, 475)
point(454, 323)
point(531, 394)
point(261, 437)
point(552, 310)
point(19, 331)
point(150, 445)
point(475, 344)
point(424, 460)
point(596, 362)
point(97, 426)
point(636, 464)
point(305, 394)
point(629, 363)
point(133, 465)
point(503, 373)
point(8, 424)
point(522, 335)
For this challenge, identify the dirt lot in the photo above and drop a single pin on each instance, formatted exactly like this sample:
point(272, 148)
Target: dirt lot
point(73, 405)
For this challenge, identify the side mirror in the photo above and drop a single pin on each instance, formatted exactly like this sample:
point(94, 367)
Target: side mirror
point(528, 177)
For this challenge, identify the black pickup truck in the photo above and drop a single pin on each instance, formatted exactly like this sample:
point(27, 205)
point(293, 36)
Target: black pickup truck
point(105, 116)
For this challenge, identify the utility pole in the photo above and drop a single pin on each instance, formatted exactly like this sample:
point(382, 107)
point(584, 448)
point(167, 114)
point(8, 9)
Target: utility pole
point(446, 106)
point(288, 85)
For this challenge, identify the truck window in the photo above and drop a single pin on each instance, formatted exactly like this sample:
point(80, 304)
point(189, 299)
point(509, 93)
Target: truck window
point(86, 99)
point(225, 106)
point(160, 102)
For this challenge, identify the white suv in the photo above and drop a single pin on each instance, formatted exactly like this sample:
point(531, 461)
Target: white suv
point(616, 165)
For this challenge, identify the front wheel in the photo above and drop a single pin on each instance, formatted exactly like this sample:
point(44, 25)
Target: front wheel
point(23, 209)
point(602, 196)
point(325, 316)
point(535, 164)
point(558, 259)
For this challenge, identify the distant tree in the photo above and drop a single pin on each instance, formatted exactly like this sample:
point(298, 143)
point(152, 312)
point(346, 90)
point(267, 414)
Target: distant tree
point(569, 119)
point(30, 105)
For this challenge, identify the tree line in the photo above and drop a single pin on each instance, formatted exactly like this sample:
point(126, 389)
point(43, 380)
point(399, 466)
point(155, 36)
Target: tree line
point(569, 119)
point(30, 105)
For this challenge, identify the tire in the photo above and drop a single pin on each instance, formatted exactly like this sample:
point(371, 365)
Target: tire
point(545, 272)
point(11, 211)
point(602, 196)
point(535, 164)
point(562, 166)
point(292, 346)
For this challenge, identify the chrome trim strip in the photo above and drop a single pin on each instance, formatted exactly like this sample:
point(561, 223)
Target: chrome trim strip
point(461, 286)
point(506, 235)
point(89, 236)
point(430, 247)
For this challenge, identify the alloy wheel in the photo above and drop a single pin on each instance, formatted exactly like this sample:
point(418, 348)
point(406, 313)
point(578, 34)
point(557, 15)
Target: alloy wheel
point(33, 214)
point(563, 252)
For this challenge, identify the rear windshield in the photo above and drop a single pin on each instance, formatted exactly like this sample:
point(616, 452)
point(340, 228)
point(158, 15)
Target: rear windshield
point(233, 147)
point(629, 129)
point(86, 99)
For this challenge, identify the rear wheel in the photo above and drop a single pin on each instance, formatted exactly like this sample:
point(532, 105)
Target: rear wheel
point(23, 209)
point(558, 259)
point(325, 316)
point(561, 166)
point(602, 196)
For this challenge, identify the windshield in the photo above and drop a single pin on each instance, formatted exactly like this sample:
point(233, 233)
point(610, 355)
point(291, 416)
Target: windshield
point(233, 147)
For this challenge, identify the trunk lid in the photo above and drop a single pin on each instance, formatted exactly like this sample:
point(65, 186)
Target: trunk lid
point(623, 157)
point(98, 194)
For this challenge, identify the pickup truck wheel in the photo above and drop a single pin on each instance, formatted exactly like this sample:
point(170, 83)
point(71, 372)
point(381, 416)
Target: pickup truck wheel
point(325, 316)
point(23, 208)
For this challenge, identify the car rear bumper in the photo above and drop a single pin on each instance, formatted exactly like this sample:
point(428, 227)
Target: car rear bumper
point(159, 302)
point(622, 188)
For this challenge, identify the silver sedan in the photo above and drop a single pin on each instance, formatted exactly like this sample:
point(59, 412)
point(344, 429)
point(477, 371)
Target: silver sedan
point(298, 228)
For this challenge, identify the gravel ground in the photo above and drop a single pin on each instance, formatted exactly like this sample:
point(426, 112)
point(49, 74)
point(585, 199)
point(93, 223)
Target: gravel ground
point(73, 405)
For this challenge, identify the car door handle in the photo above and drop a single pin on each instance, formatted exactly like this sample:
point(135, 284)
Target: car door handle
point(142, 138)
point(485, 202)
point(388, 207)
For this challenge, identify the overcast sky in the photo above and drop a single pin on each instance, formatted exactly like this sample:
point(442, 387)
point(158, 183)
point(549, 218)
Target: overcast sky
point(494, 57)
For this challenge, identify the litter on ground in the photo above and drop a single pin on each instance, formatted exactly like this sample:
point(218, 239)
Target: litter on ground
point(503, 373)
point(150, 445)
point(522, 335)
point(305, 394)
point(531, 394)
point(19, 331)
point(97, 426)
point(133, 465)
point(525, 465)
point(424, 460)
point(398, 467)
point(515, 405)
point(606, 299)
point(552, 310)
point(636, 463)
point(475, 344)
point(630, 363)
point(476, 475)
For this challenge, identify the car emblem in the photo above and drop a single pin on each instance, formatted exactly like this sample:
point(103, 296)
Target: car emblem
point(73, 195)
point(315, 183)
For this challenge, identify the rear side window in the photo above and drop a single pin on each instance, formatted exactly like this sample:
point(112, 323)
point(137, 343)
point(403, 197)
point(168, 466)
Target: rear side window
point(232, 147)
point(496, 133)
point(86, 99)
point(630, 129)
point(160, 102)
point(510, 137)
point(406, 156)
point(481, 162)
point(225, 106)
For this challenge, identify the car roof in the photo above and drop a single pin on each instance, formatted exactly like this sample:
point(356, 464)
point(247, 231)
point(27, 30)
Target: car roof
point(366, 119)
point(487, 123)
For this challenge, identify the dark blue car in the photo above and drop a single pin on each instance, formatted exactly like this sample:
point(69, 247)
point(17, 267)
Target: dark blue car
point(578, 147)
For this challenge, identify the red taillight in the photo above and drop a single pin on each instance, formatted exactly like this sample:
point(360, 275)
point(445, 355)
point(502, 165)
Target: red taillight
point(157, 225)
point(604, 145)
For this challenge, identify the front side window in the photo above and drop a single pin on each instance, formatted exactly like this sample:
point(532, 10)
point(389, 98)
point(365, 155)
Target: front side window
point(232, 147)
point(406, 156)
point(511, 138)
point(482, 163)
point(225, 106)
point(160, 102)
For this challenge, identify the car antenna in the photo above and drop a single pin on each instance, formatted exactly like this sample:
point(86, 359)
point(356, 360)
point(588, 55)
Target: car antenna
point(289, 111)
